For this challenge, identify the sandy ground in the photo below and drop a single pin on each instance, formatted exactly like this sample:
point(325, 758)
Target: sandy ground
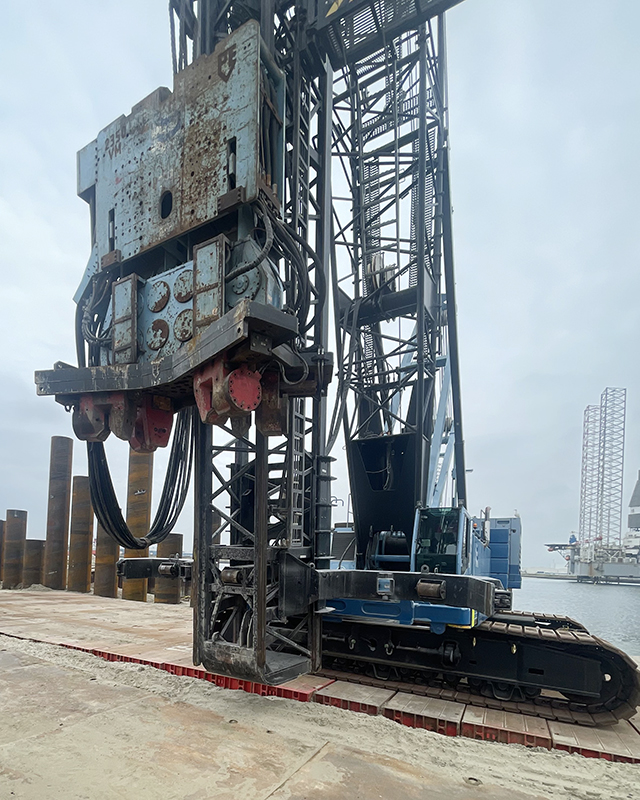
point(75, 726)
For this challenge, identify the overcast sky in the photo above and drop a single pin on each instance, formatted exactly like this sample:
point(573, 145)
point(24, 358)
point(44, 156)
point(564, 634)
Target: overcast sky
point(544, 119)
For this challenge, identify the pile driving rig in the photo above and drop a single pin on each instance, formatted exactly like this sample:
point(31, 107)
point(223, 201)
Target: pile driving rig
point(300, 166)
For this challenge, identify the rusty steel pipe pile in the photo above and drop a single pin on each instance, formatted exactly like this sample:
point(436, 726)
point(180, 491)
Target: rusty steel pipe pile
point(81, 537)
point(33, 562)
point(15, 534)
point(105, 582)
point(138, 517)
point(56, 548)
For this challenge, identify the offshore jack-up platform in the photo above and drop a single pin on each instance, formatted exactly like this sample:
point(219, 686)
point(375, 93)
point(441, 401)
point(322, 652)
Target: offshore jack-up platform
point(596, 561)
point(300, 167)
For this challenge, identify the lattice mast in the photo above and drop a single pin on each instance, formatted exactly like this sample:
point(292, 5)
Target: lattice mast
point(393, 281)
point(365, 95)
point(602, 471)
point(612, 430)
point(589, 480)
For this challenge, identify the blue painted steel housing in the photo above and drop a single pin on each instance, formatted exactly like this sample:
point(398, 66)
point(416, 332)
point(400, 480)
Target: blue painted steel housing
point(484, 548)
point(408, 612)
point(480, 555)
point(505, 540)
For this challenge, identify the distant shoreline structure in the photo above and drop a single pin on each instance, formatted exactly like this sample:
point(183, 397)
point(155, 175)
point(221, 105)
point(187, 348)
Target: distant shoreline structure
point(563, 576)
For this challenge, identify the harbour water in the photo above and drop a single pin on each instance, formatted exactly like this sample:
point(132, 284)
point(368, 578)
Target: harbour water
point(609, 611)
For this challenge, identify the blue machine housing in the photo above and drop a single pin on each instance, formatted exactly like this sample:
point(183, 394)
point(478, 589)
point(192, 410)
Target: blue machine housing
point(445, 541)
point(408, 612)
point(505, 540)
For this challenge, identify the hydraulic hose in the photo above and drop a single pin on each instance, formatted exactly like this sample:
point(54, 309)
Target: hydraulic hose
point(261, 255)
point(174, 490)
point(176, 482)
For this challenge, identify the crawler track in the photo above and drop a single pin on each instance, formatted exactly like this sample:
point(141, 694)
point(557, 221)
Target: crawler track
point(540, 665)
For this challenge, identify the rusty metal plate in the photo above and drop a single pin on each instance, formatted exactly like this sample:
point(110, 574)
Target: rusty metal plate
point(183, 326)
point(183, 286)
point(157, 334)
point(175, 145)
point(158, 296)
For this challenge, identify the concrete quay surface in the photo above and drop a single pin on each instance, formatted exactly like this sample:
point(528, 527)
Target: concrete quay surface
point(75, 726)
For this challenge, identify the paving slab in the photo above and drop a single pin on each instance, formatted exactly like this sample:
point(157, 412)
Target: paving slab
point(354, 696)
point(302, 688)
point(442, 716)
point(505, 726)
point(119, 742)
point(147, 654)
point(10, 660)
point(336, 774)
point(37, 698)
point(65, 737)
point(85, 620)
point(619, 742)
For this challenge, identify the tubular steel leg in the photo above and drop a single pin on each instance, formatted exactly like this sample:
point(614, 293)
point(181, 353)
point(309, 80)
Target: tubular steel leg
point(260, 550)
point(56, 548)
point(202, 533)
point(138, 517)
point(322, 466)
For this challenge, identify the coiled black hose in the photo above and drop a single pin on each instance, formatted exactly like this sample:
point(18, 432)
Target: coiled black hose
point(174, 490)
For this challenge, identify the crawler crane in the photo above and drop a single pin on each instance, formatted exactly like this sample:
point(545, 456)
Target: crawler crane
point(294, 183)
